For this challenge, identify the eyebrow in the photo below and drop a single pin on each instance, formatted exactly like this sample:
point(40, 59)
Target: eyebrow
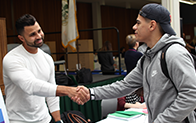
point(31, 34)
point(137, 21)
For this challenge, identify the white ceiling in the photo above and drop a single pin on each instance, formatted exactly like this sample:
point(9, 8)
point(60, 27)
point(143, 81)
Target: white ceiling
point(134, 4)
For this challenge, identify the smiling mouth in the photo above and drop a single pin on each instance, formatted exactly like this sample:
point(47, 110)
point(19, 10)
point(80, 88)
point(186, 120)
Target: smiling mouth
point(39, 41)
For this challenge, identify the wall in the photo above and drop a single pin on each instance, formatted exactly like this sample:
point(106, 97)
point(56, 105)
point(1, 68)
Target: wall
point(3, 50)
point(48, 14)
point(121, 18)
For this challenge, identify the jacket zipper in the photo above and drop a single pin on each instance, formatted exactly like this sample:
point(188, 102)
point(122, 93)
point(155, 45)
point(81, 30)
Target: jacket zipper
point(148, 89)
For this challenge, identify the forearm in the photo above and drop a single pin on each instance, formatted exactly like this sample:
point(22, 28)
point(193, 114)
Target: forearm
point(136, 105)
point(65, 91)
point(130, 105)
point(56, 115)
point(114, 90)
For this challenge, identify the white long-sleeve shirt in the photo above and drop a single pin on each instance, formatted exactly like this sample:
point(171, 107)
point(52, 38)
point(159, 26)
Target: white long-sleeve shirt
point(29, 81)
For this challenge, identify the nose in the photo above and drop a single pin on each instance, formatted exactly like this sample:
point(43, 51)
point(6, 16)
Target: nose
point(134, 27)
point(39, 35)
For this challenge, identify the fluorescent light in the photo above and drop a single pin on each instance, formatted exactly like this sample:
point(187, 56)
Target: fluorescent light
point(187, 2)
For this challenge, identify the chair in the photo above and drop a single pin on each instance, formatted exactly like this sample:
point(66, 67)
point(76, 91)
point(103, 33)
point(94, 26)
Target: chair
point(46, 49)
point(108, 106)
point(12, 46)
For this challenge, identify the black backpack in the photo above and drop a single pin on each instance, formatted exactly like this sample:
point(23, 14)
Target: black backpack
point(84, 75)
point(63, 79)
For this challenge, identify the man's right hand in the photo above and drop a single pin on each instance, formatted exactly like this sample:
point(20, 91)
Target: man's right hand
point(79, 94)
point(83, 93)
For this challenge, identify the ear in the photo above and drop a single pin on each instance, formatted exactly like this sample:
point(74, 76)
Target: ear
point(21, 38)
point(153, 25)
point(136, 45)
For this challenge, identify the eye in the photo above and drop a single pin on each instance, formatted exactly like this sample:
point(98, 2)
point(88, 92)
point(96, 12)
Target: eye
point(32, 34)
point(137, 22)
point(39, 30)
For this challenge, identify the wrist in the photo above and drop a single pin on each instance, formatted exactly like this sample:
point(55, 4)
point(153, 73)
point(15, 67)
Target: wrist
point(62, 90)
point(60, 121)
point(92, 94)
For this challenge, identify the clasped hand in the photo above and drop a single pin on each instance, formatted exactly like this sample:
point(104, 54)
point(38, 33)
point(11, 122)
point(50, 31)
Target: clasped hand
point(82, 95)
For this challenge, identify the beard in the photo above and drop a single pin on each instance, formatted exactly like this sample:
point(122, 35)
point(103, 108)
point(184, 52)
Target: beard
point(35, 43)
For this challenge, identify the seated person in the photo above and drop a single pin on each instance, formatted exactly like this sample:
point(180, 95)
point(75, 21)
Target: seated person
point(132, 55)
point(134, 100)
point(106, 59)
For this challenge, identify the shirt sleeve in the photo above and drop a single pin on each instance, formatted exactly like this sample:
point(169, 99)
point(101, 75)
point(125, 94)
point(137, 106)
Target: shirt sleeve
point(53, 102)
point(129, 84)
point(23, 78)
point(121, 103)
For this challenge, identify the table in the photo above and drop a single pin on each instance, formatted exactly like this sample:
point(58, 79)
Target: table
point(141, 119)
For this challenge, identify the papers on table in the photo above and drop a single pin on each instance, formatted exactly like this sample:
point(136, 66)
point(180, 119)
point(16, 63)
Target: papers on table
point(144, 110)
point(126, 115)
point(136, 119)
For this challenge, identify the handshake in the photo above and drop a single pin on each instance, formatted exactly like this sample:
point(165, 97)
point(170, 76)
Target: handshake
point(79, 94)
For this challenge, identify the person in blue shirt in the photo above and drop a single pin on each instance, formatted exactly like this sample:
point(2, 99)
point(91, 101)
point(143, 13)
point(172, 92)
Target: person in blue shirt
point(132, 55)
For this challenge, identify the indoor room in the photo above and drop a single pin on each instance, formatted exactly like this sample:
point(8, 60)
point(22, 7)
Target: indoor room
point(96, 28)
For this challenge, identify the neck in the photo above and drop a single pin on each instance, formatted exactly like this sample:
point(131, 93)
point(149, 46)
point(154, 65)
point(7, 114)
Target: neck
point(153, 40)
point(135, 48)
point(32, 50)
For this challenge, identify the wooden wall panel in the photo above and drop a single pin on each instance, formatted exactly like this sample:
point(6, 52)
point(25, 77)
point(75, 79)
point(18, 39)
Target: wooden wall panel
point(121, 18)
point(6, 12)
point(3, 49)
point(84, 16)
point(48, 14)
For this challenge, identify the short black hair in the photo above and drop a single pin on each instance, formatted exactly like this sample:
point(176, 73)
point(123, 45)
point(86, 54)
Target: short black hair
point(25, 20)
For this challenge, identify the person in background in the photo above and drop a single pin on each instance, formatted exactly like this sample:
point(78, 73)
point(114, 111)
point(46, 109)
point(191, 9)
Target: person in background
point(189, 47)
point(29, 78)
point(134, 100)
point(193, 44)
point(132, 55)
point(106, 59)
point(96, 61)
point(168, 100)
point(95, 56)
point(122, 52)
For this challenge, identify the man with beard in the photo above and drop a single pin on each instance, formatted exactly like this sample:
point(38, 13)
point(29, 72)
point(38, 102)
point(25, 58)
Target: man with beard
point(29, 78)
